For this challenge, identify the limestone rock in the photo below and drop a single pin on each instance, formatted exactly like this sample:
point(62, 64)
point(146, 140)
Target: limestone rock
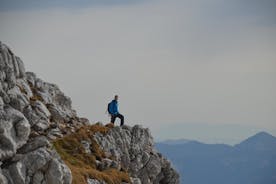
point(33, 113)
point(133, 148)
point(58, 173)
point(34, 143)
point(93, 181)
point(136, 181)
point(3, 179)
point(86, 146)
point(37, 166)
point(14, 131)
point(26, 155)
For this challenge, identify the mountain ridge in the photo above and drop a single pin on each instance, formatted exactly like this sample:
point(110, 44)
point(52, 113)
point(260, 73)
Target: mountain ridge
point(262, 137)
point(44, 141)
point(261, 134)
point(251, 161)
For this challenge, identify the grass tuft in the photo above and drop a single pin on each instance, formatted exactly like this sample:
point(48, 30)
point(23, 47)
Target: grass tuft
point(83, 165)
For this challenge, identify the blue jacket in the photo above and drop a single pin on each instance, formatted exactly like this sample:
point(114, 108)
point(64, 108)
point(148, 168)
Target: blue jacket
point(114, 107)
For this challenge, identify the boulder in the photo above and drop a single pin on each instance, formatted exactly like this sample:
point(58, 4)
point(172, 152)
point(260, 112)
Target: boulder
point(133, 148)
point(14, 131)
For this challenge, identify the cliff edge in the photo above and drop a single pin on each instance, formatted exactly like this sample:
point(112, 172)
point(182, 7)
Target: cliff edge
point(43, 141)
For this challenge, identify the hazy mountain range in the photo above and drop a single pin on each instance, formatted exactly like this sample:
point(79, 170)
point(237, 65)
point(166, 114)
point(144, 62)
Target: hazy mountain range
point(253, 161)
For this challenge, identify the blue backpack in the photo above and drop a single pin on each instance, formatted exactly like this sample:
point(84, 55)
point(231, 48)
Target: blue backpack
point(109, 108)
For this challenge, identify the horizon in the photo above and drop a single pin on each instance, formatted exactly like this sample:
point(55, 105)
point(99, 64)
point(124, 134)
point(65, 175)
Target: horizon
point(234, 135)
point(209, 67)
point(169, 141)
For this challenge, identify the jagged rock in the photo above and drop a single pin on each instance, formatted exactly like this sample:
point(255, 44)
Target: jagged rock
point(23, 109)
point(33, 113)
point(54, 133)
point(105, 164)
point(34, 143)
point(38, 115)
point(14, 131)
point(135, 181)
point(38, 178)
point(24, 87)
point(86, 146)
point(84, 121)
point(35, 164)
point(58, 173)
point(3, 179)
point(1, 104)
point(133, 148)
point(18, 100)
point(93, 181)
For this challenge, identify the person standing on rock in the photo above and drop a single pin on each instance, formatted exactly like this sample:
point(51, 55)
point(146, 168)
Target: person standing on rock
point(113, 110)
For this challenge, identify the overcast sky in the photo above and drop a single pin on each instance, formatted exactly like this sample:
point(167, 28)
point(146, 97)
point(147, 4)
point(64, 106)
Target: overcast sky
point(192, 69)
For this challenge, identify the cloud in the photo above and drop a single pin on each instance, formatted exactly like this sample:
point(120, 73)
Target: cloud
point(15, 5)
point(170, 61)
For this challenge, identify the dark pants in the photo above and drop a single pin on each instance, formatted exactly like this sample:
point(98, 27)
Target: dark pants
point(113, 118)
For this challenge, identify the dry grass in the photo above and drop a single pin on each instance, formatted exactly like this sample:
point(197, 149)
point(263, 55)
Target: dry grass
point(109, 125)
point(35, 98)
point(83, 165)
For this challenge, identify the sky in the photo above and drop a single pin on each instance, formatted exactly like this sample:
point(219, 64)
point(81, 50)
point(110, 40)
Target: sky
point(193, 69)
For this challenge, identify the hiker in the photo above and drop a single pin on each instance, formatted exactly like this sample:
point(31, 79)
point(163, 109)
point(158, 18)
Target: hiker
point(113, 110)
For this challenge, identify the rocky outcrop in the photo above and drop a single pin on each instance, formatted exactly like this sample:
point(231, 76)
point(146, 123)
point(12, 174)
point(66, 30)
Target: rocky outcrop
point(133, 149)
point(35, 114)
point(30, 111)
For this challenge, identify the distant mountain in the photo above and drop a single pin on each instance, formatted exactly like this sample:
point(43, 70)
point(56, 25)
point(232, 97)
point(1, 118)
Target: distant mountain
point(253, 161)
point(260, 142)
point(177, 141)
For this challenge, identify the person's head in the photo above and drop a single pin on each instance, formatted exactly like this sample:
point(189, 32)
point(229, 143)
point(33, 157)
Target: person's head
point(116, 97)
